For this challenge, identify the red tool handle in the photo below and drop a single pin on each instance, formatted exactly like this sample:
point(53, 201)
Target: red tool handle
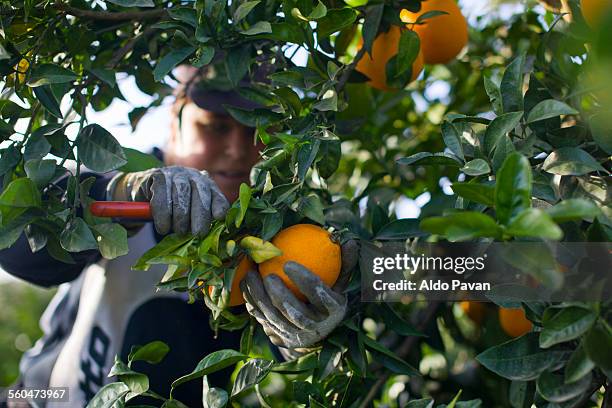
point(121, 209)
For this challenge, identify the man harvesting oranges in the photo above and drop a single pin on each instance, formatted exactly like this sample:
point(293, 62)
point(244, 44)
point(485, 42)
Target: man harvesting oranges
point(103, 308)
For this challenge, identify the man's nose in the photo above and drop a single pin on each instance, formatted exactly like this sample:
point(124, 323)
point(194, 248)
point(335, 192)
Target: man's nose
point(235, 146)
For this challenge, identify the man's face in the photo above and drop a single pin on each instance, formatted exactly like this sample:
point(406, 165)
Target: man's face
point(216, 143)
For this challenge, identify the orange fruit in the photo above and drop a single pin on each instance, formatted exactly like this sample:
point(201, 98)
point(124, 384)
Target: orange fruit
point(474, 310)
point(310, 246)
point(594, 10)
point(245, 265)
point(385, 46)
point(514, 322)
point(443, 36)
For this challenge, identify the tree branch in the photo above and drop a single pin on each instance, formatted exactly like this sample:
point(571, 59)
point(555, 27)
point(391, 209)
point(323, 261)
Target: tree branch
point(106, 16)
point(129, 46)
point(402, 352)
point(347, 72)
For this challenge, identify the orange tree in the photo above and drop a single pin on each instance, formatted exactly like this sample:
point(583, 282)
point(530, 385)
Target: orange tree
point(525, 126)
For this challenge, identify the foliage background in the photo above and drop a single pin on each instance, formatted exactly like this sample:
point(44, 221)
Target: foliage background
point(407, 127)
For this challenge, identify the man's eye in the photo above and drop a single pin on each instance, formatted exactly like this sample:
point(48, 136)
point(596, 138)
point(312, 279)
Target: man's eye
point(217, 128)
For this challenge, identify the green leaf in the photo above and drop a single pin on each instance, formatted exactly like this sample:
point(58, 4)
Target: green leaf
point(107, 76)
point(504, 148)
point(77, 237)
point(306, 156)
point(573, 209)
point(46, 74)
point(9, 158)
point(152, 353)
point(318, 12)
point(476, 167)
point(171, 60)
point(400, 229)
point(549, 108)
point(186, 15)
point(578, 365)
point(311, 207)
point(112, 240)
point(48, 100)
point(40, 171)
point(499, 127)
point(254, 118)
point(521, 394)
point(108, 395)
point(408, 50)
point(213, 362)
point(168, 245)
point(251, 373)
point(272, 223)
point(421, 403)
point(462, 226)
point(260, 27)
point(564, 325)
point(396, 323)
point(519, 359)
point(478, 193)
point(245, 198)
point(139, 161)
point(99, 150)
point(452, 139)
point(20, 193)
point(511, 87)
point(552, 387)
point(335, 20)
point(133, 3)
point(328, 102)
point(213, 397)
point(36, 147)
point(533, 222)
point(492, 90)
point(596, 341)
point(389, 359)
point(513, 187)
point(244, 9)
point(426, 158)
point(601, 132)
point(373, 17)
point(568, 161)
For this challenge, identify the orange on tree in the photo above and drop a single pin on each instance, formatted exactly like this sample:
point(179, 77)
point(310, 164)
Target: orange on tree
point(442, 36)
point(384, 47)
point(245, 265)
point(594, 10)
point(474, 310)
point(514, 322)
point(310, 246)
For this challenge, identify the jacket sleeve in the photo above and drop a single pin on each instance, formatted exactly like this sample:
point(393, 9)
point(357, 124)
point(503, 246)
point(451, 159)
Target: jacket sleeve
point(40, 268)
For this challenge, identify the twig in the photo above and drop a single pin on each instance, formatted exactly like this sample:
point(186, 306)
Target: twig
point(402, 352)
point(106, 16)
point(347, 72)
point(129, 46)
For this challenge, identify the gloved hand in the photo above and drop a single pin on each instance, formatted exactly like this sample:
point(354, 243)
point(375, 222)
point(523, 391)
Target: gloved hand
point(289, 322)
point(182, 199)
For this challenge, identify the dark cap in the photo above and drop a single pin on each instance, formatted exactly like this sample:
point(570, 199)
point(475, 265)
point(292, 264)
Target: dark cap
point(210, 88)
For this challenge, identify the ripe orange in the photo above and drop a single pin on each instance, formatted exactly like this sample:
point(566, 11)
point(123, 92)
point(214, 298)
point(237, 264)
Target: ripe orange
point(594, 10)
point(474, 310)
point(309, 245)
point(514, 322)
point(245, 265)
point(385, 46)
point(442, 37)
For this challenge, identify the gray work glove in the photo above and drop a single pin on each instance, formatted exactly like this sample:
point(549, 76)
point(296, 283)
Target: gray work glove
point(182, 199)
point(288, 321)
